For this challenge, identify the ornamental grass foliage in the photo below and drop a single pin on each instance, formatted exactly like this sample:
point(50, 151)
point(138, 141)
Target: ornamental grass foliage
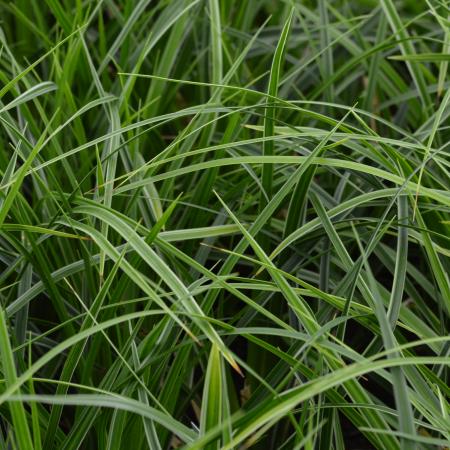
point(224, 224)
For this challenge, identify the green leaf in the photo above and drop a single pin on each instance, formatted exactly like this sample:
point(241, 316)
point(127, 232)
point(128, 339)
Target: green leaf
point(18, 413)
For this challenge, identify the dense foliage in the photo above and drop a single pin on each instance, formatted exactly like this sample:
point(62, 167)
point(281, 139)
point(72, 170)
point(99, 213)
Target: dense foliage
point(224, 224)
